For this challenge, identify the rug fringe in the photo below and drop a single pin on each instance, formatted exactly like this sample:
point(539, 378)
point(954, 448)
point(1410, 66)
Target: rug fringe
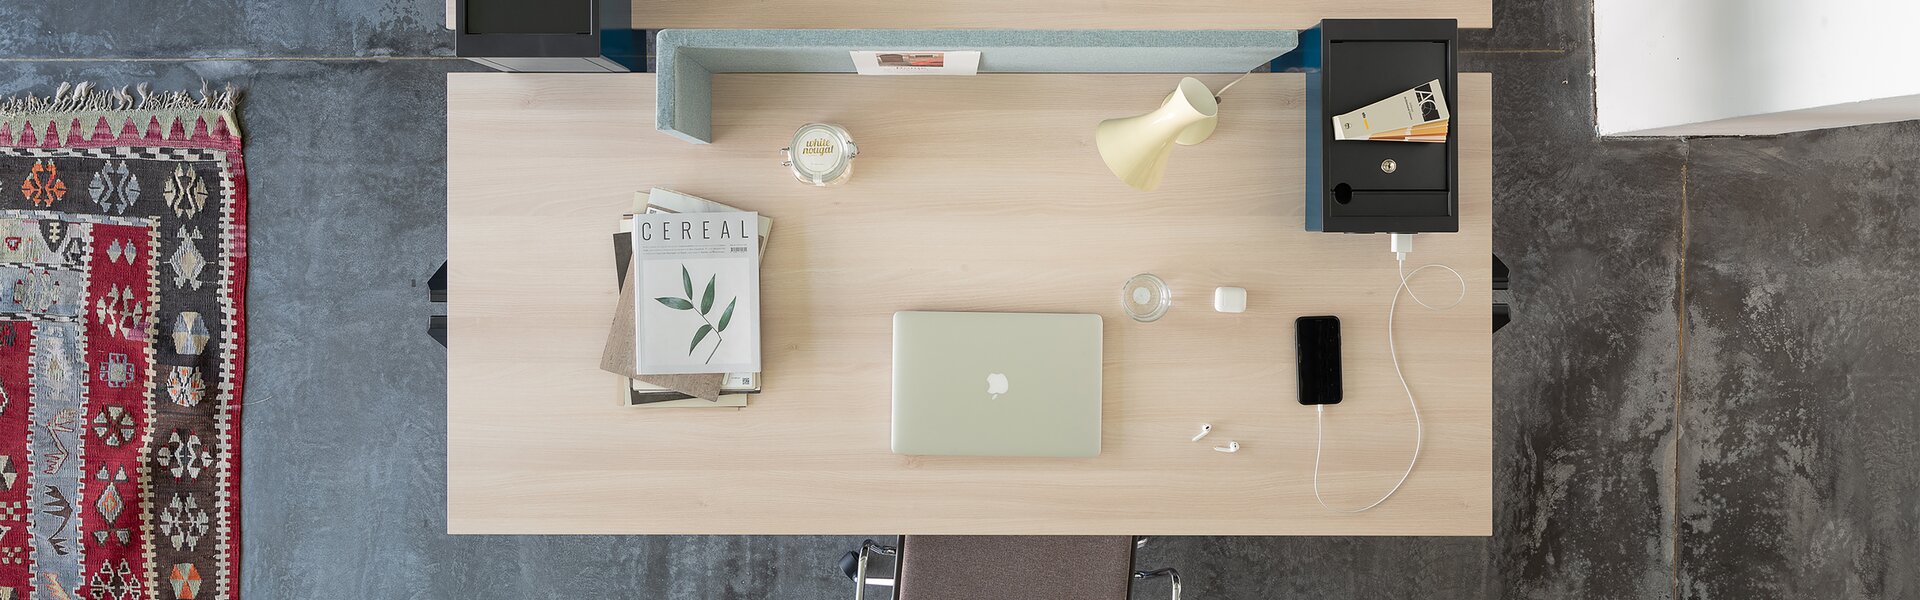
point(84, 98)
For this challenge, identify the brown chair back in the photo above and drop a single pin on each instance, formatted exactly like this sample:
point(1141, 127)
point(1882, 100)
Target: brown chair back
point(971, 567)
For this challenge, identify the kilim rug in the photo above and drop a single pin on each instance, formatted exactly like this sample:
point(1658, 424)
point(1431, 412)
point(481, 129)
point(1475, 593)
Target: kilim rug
point(123, 257)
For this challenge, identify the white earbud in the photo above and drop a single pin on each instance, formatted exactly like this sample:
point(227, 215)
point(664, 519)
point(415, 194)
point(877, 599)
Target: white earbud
point(1205, 428)
point(1230, 448)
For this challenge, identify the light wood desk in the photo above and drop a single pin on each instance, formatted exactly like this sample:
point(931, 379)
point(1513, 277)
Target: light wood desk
point(1046, 14)
point(981, 193)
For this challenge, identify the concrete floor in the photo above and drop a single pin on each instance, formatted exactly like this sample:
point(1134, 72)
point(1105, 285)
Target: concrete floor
point(1707, 391)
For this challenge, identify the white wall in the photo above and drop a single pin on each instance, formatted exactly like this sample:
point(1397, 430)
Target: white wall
point(1754, 67)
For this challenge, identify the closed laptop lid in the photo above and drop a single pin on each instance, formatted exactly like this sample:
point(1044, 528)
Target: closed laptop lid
point(996, 384)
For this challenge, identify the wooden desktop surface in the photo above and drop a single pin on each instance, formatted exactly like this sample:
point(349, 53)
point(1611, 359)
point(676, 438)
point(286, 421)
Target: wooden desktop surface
point(1046, 14)
point(971, 193)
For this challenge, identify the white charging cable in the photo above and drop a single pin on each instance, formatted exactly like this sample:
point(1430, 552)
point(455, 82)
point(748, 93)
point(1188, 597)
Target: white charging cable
point(1402, 243)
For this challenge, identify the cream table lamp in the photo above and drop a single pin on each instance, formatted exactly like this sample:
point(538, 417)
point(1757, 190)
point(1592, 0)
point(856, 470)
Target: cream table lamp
point(1136, 148)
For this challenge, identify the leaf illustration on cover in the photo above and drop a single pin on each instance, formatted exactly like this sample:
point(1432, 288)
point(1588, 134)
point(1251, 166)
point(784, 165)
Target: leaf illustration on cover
point(697, 336)
point(727, 315)
point(706, 300)
point(703, 309)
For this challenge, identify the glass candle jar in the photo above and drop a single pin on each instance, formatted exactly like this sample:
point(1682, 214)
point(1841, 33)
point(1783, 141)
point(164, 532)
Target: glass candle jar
point(821, 154)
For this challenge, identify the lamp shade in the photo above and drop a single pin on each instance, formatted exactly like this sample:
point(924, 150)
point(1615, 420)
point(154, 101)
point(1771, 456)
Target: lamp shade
point(1136, 148)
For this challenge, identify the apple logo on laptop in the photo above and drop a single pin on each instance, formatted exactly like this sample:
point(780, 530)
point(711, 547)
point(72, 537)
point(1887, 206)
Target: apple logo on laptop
point(996, 384)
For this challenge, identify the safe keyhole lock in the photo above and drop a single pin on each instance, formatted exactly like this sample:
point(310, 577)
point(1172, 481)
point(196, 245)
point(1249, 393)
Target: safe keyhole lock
point(1388, 166)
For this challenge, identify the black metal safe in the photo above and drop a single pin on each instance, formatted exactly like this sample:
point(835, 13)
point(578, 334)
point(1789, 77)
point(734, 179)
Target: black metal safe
point(1360, 186)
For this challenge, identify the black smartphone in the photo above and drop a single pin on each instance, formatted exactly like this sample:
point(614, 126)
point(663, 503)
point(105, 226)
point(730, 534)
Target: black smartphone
point(1317, 344)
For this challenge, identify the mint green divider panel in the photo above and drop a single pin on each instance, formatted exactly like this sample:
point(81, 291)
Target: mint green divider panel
point(688, 58)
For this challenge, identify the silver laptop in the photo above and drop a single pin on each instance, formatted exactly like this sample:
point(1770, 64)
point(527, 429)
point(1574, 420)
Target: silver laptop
point(996, 384)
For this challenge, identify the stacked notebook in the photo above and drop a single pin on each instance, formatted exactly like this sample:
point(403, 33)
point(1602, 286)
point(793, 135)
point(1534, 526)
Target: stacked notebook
point(678, 342)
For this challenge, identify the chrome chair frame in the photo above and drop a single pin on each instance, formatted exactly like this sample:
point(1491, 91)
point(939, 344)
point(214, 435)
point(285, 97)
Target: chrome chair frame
point(870, 548)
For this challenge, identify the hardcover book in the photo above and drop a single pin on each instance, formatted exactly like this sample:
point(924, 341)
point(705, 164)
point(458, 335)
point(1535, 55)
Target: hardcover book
point(697, 292)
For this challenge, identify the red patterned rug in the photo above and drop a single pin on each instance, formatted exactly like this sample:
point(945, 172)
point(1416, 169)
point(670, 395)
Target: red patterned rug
point(123, 265)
